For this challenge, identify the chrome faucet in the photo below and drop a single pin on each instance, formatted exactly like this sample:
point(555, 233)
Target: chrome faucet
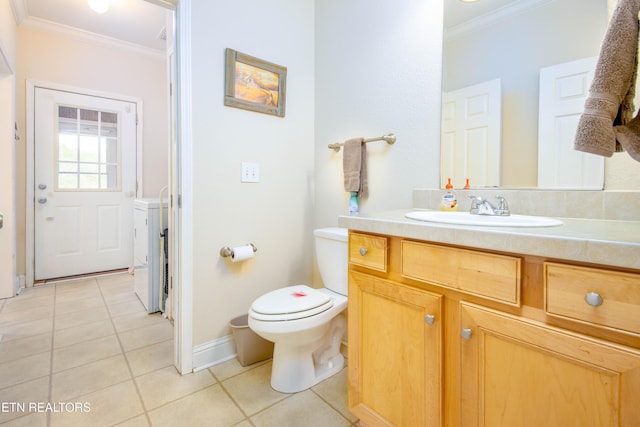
point(480, 206)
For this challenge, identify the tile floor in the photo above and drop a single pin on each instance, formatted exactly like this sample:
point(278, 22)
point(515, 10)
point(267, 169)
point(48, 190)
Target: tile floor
point(84, 352)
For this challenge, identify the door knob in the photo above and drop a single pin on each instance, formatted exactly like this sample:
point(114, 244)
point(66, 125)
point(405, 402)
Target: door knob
point(42, 200)
point(42, 186)
point(429, 319)
point(363, 251)
point(466, 333)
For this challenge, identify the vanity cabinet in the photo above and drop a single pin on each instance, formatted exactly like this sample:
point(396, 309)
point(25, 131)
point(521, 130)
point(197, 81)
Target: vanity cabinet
point(395, 353)
point(442, 335)
point(514, 369)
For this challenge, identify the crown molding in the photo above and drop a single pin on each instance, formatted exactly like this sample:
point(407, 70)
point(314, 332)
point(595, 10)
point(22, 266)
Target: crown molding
point(87, 36)
point(169, 4)
point(491, 18)
point(20, 10)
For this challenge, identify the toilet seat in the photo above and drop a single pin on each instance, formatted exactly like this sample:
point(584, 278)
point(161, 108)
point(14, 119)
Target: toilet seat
point(290, 303)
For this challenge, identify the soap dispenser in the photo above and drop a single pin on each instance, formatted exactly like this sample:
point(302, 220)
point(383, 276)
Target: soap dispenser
point(449, 201)
point(353, 203)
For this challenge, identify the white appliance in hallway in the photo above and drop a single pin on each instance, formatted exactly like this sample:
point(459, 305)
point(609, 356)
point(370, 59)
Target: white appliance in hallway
point(149, 262)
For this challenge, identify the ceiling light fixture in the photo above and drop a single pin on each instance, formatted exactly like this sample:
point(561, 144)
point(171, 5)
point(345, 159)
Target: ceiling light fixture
point(99, 6)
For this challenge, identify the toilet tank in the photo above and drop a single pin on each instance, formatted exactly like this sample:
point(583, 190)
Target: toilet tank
point(332, 256)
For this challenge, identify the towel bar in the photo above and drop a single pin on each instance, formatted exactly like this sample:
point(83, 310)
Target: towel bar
point(389, 138)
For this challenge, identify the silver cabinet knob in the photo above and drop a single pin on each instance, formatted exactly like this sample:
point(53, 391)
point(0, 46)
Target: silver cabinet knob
point(593, 299)
point(42, 200)
point(465, 333)
point(429, 319)
point(42, 186)
point(363, 251)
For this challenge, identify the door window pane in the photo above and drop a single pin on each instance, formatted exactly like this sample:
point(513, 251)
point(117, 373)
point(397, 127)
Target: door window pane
point(66, 180)
point(67, 147)
point(88, 149)
point(68, 167)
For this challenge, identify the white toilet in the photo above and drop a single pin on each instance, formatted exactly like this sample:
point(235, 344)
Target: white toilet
point(305, 323)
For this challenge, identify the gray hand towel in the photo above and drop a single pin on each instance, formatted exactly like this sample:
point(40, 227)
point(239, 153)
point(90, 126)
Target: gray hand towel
point(354, 166)
point(610, 100)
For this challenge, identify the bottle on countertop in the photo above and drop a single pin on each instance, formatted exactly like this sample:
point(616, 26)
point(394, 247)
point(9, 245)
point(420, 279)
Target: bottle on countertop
point(353, 203)
point(449, 201)
point(467, 186)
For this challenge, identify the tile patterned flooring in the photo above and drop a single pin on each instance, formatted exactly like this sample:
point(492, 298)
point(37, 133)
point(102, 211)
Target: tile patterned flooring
point(84, 352)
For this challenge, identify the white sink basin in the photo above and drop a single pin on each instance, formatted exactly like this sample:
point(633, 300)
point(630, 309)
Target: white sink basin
point(465, 218)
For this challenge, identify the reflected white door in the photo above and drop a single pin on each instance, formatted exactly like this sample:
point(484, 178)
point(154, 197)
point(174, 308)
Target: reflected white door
point(563, 91)
point(471, 135)
point(85, 182)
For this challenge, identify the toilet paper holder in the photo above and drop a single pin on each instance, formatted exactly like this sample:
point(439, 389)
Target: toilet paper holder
point(226, 251)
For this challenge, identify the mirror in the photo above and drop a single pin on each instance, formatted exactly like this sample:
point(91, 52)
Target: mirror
point(512, 40)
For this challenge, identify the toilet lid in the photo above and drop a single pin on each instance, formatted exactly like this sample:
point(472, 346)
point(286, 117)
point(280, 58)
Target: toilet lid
point(290, 303)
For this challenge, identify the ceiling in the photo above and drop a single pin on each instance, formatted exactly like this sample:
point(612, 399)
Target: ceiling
point(135, 22)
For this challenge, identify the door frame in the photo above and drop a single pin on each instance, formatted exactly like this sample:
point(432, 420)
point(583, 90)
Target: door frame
point(182, 191)
point(30, 161)
point(181, 188)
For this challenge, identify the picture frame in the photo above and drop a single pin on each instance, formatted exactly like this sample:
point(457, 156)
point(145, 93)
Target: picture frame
point(254, 84)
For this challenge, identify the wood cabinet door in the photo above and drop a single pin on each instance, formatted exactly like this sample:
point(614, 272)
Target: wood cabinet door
point(395, 353)
point(520, 372)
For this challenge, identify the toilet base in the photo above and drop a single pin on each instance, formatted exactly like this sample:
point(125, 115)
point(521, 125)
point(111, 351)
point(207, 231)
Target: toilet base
point(297, 368)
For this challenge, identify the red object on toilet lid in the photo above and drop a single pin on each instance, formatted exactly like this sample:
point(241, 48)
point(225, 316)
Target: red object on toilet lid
point(292, 299)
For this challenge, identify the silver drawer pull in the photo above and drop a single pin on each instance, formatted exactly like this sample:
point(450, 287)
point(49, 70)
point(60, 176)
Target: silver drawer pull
point(593, 299)
point(466, 334)
point(429, 319)
point(363, 251)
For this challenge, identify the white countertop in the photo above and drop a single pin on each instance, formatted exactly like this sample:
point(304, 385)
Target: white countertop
point(614, 243)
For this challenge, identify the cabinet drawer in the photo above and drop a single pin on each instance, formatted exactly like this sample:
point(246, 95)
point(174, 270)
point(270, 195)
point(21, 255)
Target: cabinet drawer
point(368, 251)
point(488, 275)
point(598, 296)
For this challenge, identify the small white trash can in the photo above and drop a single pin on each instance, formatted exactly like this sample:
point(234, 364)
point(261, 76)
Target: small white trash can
point(251, 347)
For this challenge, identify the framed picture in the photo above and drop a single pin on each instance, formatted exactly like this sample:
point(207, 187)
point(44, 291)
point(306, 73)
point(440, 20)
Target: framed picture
point(254, 84)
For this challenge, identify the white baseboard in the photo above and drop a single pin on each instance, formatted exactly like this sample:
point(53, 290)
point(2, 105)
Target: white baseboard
point(213, 352)
point(19, 283)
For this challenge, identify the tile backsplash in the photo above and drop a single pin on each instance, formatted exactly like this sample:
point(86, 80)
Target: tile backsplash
point(609, 204)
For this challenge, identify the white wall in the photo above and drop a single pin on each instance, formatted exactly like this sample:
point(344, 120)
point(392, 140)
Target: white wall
point(378, 70)
point(276, 213)
point(7, 149)
point(354, 68)
point(54, 58)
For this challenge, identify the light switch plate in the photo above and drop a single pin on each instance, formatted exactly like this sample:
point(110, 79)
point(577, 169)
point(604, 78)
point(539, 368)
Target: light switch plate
point(250, 172)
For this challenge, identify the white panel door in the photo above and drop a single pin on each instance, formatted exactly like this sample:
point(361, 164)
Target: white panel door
point(85, 181)
point(563, 91)
point(472, 135)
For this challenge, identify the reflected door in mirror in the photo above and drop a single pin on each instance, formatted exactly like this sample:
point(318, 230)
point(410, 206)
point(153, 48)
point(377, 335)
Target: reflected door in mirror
point(472, 135)
point(563, 91)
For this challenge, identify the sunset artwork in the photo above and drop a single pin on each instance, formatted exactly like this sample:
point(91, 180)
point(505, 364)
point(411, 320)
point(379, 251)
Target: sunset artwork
point(256, 85)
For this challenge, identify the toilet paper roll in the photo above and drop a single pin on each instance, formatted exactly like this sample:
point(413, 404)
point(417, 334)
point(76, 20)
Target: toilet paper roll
point(242, 253)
